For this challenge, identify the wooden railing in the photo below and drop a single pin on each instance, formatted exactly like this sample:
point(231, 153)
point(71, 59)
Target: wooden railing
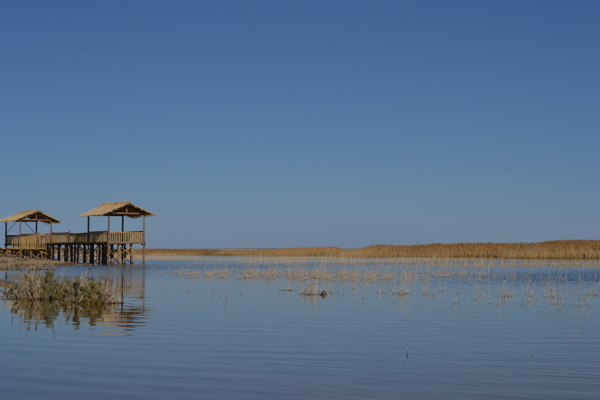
point(127, 237)
point(12, 240)
point(40, 240)
point(35, 241)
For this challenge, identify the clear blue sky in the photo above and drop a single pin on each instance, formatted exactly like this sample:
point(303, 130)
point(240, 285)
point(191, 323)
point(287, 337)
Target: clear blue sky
point(306, 123)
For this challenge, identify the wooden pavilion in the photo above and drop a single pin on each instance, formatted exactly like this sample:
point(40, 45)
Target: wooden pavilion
point(90, 247)
point(28, 245)
point(116, 247)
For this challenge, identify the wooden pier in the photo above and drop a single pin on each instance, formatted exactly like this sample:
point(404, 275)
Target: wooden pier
point(90, 247)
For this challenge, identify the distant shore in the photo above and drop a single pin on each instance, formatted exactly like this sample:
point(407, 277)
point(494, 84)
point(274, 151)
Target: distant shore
point(557, 249)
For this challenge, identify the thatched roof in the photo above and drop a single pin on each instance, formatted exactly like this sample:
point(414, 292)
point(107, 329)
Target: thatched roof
point(118, 209)
point(31, 216)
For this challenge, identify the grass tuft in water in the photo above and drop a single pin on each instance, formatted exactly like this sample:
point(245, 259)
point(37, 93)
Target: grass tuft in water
point(47, 288)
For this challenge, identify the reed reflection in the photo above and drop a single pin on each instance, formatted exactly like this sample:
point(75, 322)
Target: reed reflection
point(108, 319)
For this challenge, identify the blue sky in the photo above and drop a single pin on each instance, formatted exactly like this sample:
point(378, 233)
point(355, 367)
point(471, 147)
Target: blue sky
point(307, 123)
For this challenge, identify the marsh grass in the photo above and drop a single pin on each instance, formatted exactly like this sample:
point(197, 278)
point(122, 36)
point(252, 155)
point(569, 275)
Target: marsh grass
point(478, 295)
point(529, 292)
point(584, 297)
point(505, 292)
point(81, 290)
point(375, 271)
point(312, 290)
point(557, 250)
point(492, 282)
point(16, 263)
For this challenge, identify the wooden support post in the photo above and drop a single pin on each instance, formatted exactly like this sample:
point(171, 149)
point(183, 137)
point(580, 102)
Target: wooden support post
point(108, 231)
point(144, 240)
point(104, 251)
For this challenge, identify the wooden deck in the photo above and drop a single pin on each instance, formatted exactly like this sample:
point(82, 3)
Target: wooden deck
point(39, 241)
point(90, 247)
point(100, 247)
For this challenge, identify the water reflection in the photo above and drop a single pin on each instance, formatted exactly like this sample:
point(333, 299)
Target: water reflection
point(111, 319)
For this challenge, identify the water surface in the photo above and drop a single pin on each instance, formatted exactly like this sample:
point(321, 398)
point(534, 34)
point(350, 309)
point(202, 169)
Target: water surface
point(457, 331)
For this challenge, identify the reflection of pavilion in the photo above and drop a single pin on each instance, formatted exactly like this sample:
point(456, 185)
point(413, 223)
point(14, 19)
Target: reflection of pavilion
point(119, 319)
point(91, 247)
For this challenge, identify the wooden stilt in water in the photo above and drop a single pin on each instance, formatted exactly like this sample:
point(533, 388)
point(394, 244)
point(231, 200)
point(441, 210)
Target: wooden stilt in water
point(104, 250)
point(144, 240)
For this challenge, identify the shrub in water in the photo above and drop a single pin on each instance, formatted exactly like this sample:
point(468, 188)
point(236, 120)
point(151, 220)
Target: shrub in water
point(80, 290)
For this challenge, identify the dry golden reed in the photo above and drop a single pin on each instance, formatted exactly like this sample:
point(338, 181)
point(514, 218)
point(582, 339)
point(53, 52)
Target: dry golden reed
point(81, 290)
point(557, 249)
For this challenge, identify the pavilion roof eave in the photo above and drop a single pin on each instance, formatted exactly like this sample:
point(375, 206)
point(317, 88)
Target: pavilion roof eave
point(31, 216)
point(117, 209)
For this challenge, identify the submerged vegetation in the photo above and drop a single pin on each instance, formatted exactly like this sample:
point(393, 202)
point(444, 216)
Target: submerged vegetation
point(35, 287)
point(557, 249)
point(496, 282)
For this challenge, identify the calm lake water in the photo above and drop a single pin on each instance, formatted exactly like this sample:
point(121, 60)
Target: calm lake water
point(416, 331)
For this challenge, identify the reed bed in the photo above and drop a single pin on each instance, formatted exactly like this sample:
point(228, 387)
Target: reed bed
point(401, 278)
point(557, 283)
point(374, 270)
point(549, 250)
point(35, 287)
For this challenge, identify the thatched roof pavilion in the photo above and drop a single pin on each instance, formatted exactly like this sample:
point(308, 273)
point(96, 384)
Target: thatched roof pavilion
point(28, 216)
point(118, 209)
point(31, 216)
point(104, 247)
